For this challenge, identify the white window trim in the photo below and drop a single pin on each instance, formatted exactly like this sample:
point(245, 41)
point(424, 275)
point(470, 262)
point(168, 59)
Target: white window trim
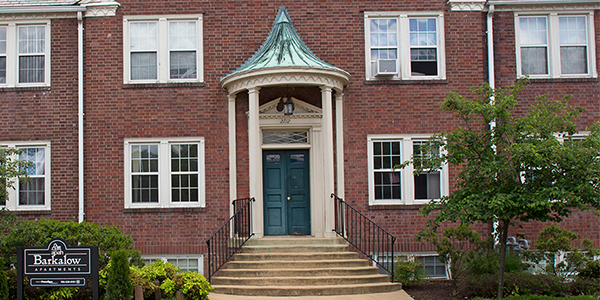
point(163, 49)
point(12, 202)
point(164, 176)
point(554, 66)
point(403, 64)
point(412, 255)
point(406, 177)
point(12, 53)
point(164, 258)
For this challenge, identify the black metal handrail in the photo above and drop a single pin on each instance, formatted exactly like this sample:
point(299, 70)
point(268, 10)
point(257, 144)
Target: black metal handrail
point(364, 235)
point(229, 238)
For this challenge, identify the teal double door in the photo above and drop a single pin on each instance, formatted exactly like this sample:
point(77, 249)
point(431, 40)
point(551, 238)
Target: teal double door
point(286, 183)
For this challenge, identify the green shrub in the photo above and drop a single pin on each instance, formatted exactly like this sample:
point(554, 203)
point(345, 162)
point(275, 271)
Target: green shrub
point(157, 270)
point(3, 281)
point(515, 283)
point(591, 270)
point(488, 262)
point(409, 272)
point(193, 285)
point(455, 246)
point(584, 286)
point(119, 286)
point(23, 233)
point(538, 297)
point(563, 260)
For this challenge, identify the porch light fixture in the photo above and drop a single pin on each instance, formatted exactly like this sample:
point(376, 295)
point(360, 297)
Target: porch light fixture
point(288, 106)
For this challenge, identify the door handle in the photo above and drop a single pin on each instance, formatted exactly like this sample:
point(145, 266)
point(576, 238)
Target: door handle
point(288, 198)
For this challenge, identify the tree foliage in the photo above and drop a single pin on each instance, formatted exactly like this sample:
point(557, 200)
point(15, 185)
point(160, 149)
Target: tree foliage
point(526, 166)
point(10, 167)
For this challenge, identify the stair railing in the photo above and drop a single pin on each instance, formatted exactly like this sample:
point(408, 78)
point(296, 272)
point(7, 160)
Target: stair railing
point(229, 238)
point(364, 235)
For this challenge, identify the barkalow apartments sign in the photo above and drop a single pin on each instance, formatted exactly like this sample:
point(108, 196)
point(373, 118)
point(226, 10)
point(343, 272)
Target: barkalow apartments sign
point(57, 265)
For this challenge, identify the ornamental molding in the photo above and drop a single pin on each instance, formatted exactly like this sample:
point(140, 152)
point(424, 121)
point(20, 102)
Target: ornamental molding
point(37, 16)
point(105, 9)
point(284, 76)
point(302, 110)
point(466, 5)
point(548, 7)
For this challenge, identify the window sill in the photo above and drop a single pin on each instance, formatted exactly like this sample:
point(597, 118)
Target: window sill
point(405, 82)
point(39, 212)
point(398, 206)
point(10, 89)
point(564, 79)
point(163, 85)
point(150, 210)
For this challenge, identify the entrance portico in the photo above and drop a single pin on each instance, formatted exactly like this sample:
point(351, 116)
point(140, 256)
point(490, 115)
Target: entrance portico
point(284, 62)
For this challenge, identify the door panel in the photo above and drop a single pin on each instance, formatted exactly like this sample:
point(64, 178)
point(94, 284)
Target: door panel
point(286, 190)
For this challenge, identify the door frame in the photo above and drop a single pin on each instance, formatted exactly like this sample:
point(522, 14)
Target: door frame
point(308, 118)
point(286, 190)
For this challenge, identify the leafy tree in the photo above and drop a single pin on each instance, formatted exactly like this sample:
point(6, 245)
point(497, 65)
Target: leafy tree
point(10, 168)
point(524, 167)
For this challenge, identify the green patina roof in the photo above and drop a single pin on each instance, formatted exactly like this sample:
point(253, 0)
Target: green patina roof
point(283, 48)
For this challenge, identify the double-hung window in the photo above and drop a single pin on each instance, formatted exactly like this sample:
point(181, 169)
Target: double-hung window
point(164, 173)
point(24, 54)
point(555, 45)
point(390, 185)
point(404, 46)
point(32, 193)
point(163, 49)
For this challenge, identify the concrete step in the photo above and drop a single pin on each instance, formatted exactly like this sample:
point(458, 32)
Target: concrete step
point(301, 281)
point(299, 266)
point(336, 271)
point(321, 290)
point(283, 264)
point(292, 240)
point(295, 248)
point(291, 256)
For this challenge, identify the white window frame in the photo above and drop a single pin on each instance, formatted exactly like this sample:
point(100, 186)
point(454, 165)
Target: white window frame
point(163, 60)
point(165, 258)
point(553, 31)
point(12, 202)
point(12, 53)
point(164, 172)
point(406, 175)
point(412, 256)
point(403, 53)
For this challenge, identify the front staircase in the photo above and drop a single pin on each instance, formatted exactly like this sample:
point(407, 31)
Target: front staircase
point(299, 266)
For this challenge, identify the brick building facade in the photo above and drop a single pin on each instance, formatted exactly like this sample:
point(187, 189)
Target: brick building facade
point(176, 115)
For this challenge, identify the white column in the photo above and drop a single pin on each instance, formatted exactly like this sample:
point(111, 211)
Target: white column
point(232, 151)
point(328, 159)
point(255, 161)
point(339, 142)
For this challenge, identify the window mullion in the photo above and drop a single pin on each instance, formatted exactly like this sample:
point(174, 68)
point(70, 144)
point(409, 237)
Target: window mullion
point(408, 186)
point(554, 68)
point(163, 50)
point(164, 174)
point(11, 54)
point(404, 46)
point(590, 47)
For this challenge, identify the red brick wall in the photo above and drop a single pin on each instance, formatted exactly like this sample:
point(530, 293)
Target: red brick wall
point(50, 114)
point(233, 31)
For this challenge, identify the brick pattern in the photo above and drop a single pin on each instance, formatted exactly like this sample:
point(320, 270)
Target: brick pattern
point(233, 31)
